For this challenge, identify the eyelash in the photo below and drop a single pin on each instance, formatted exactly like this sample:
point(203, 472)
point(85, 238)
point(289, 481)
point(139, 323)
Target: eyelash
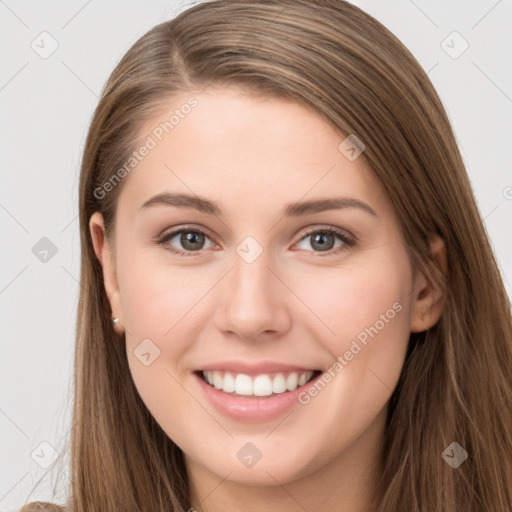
point(347, 241)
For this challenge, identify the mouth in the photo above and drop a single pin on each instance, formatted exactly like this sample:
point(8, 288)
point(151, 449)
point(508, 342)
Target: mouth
point(264, 385)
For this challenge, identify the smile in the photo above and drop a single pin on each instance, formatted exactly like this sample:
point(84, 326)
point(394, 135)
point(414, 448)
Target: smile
point(247, 391)
point(266, 384)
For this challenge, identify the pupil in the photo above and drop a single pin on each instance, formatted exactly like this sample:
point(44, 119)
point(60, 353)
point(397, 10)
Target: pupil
point(323, 244)
point(189, 239)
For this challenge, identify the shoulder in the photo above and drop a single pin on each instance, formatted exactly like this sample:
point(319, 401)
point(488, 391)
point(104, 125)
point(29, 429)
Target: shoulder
point(42, 506)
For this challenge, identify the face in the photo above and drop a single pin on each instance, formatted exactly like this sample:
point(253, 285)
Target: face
point(296, 309)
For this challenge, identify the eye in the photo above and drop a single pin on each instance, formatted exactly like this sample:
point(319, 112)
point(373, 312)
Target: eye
point(324, 239)
point(191, 240)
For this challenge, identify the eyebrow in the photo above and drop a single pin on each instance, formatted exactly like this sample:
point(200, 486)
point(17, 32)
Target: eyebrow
point(298, 209)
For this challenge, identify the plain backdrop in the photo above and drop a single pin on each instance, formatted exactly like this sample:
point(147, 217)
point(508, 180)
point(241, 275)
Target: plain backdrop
point(56, 57)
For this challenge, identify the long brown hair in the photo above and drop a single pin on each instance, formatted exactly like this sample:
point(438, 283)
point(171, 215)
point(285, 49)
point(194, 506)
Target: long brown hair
point(456, 384)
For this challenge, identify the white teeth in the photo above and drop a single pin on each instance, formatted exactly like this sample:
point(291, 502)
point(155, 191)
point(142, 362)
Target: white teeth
point(303, 379)
point(217, 380)
point(279, 384)
point(229, 383)
point(243, 385)
point(291, 381)
point(260, 385)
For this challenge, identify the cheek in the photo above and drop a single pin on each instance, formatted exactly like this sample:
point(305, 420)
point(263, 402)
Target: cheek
point(367, 311)
point(159, 299)
point(357, 300)
point(362, 319)
point(160, 304)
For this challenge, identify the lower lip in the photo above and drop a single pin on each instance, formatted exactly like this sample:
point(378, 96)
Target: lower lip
point(252, 409)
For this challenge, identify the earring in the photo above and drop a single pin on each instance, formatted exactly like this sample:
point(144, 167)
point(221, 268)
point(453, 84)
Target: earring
point(115, 320)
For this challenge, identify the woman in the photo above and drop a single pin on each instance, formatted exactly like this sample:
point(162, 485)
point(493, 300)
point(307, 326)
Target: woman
point(288, 299)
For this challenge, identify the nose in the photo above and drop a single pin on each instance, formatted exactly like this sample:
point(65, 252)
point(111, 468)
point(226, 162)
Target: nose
point(253, 301)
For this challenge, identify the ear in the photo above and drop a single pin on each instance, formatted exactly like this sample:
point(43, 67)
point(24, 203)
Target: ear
point(105, 255)
point(428, 299)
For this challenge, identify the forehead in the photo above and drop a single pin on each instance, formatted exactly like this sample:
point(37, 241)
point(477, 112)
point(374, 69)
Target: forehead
point(237, 148)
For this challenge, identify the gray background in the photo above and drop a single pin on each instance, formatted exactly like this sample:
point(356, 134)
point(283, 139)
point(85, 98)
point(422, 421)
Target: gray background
point(46, 105)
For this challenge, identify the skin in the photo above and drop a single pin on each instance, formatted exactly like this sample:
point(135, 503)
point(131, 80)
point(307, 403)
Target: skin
point(252, 156)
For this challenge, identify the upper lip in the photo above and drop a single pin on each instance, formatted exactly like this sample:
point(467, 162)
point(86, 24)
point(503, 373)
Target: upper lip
point(254, 368)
